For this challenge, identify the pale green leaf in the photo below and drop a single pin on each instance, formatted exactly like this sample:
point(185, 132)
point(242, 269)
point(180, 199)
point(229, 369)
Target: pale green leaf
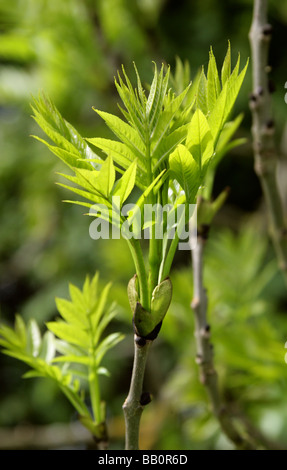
point(73, 358)
point(167, 145)
point(10, 335)
point(20, 330)
point(61, 132)
point(186, 171)
point(199, 140)
point(225, 103)
point(77, 299)
point(97, 311)
point(69, 333)
point(90, 289)
point(86, 194)
point(121, 154)
point(20, 355)
point(165, 119)
point(160, 300)
point(133, 295)
point(201, 99)
point(135, 112)
point(31, 374)
point(103, 371)
point(140, 89)
point(68, 157)
point(33, 338)
point(103, 323)
point(143, 321)
point(132, 218)
point(68, 349)
point(48, 348)
point(226, 67)
point(213, 83)
point(125, 184)
point(108, 343)
point(72, 313)
point(124, 132)
point(107, 176)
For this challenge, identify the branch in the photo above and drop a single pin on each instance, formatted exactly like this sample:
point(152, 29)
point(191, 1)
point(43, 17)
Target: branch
point(234, 426)
point(265, 153)
point(136, 399)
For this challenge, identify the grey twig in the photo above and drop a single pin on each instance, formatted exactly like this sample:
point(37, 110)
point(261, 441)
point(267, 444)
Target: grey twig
point(263, 127)
point(235, 426)
point(136, 400)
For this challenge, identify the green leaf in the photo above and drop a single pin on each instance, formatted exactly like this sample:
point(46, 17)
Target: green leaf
point(186, 171)
point(213, 83)
point(154, 93)
point(78, 300)
point(20, 330)
point(61, 132)
point(90, 289)
point(226, 67)
point(33, 338)
point(78, 403)
point(199, 140)
point(31, 374)
point(224, 145)
point(160, 300)
point(69, 333)
point(103, 371)
point(156, 97)
point(143, 321)
point(225, 102)
point(125, 184)
point(97, 311)
point(105, 320)
point(122, 155)
point(101, 181)
point(73, 358)
point(133, 295)
point(85, 194)
point(167, 145)
point(66, 348)
point(108, 343)
point(126, 133)
point(71, 312)
point(140, 89)
point(20, 355)
point(132, 218)
point(70, 158)
point(133, 106)
point(107, 176)
point(165, 119)
point(201, 99)
point(48, 348)
point(10, 335)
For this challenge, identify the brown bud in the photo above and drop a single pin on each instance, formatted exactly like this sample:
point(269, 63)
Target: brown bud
point(267, 30)
point(140, 341)
point(145, 398)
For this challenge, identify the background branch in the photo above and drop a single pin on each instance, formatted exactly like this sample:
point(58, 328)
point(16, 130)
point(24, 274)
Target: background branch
point(235, 426)
point(263, 130)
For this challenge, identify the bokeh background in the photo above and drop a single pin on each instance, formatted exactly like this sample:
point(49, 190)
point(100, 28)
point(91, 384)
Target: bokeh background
point(71, 50)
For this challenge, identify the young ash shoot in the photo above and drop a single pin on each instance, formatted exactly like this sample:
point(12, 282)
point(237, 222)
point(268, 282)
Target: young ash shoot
point(71, 351)
point(166, 144)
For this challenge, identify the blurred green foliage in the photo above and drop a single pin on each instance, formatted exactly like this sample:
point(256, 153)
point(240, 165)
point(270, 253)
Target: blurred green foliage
point(72, 51)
